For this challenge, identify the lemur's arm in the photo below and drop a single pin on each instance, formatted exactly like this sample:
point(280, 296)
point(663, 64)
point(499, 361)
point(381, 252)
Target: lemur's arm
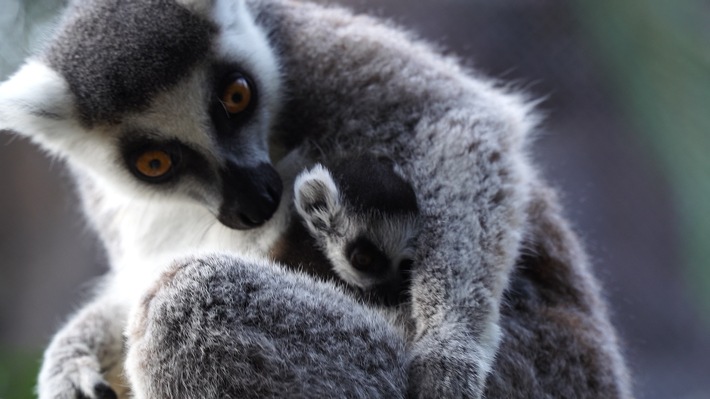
point(470, 176)
point(84, 352)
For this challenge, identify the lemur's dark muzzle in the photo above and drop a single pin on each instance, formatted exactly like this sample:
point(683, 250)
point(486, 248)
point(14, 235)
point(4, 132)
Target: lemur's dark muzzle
point(250, 195)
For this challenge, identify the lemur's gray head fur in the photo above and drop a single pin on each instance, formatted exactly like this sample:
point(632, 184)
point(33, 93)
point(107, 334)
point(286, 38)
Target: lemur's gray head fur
point(364, 217)
point(157, 97)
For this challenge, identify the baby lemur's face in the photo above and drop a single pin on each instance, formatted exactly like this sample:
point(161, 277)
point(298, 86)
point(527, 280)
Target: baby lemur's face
point(363, 216)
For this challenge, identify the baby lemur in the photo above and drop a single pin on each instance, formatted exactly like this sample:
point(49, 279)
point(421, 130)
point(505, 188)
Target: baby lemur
point(354, 222)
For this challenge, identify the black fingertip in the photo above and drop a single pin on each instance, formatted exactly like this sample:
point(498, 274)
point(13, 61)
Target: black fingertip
point(103, 391)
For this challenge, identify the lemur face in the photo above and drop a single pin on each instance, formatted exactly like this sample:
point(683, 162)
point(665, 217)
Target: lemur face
point(161, 101)
point(364, 218)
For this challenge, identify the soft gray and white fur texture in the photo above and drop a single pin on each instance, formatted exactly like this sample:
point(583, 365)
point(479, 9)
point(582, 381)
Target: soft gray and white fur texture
point(501, 298)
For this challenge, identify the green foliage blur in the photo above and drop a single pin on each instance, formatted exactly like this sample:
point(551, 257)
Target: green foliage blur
point(657, 56)
point(18, 373)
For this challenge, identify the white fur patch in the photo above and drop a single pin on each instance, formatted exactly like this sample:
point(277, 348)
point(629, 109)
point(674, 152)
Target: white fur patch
point(314, 186)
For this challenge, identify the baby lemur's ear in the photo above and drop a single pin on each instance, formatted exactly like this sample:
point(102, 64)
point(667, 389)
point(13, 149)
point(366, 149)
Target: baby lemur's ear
point(317, 199)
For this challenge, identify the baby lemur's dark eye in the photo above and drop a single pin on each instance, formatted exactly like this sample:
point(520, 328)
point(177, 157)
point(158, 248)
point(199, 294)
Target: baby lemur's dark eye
point(237, 94)
point(154, 164)
point(364, 256)
point(361, 259)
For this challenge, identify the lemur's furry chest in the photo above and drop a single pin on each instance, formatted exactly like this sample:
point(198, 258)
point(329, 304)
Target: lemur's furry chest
point(143, 237)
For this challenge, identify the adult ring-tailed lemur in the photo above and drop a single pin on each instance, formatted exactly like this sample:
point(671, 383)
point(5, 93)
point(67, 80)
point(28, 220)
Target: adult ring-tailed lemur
point(170, 113)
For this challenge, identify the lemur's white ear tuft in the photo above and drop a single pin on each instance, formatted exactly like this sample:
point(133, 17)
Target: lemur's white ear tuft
point(36, 102)
point(316, 195)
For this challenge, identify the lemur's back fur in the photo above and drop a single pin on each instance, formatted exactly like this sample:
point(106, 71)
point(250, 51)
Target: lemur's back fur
point(556, 332)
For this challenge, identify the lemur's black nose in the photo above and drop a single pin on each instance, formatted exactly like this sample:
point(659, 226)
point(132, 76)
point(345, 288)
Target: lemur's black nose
point(250, 195)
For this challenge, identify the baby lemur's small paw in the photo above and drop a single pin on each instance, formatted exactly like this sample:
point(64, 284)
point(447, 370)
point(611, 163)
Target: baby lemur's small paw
point(74, 379)
point(317, 199)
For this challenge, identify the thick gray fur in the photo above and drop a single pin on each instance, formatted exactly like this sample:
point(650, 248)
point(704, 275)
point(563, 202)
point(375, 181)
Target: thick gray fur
point(219, 327)
point(500, 289)
point(557, 339)
point(109, 79)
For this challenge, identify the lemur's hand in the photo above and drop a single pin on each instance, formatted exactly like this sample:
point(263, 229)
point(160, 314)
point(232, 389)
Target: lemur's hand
point(88, 346)
point(443, 369)
point(71, 372)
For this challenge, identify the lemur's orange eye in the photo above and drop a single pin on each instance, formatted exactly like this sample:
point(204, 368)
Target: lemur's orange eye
point(237, 96)
point(154, 163)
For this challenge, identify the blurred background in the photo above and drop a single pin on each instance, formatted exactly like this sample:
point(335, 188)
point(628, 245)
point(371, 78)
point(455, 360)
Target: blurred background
point(626, 89)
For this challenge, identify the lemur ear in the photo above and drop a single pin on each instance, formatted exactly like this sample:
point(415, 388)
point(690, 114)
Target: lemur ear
point(317, 198)
point(36, 102)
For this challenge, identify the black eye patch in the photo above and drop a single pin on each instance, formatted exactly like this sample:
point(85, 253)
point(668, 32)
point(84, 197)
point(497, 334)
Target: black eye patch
point(364, 256)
